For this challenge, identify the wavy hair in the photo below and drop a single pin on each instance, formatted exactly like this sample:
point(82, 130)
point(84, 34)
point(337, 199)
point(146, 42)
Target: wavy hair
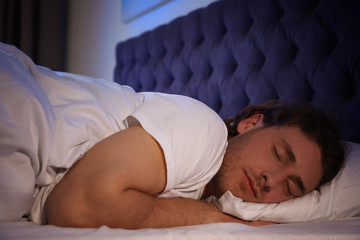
point(313, 124)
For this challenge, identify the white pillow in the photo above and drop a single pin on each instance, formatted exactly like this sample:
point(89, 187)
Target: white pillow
point(339, 199)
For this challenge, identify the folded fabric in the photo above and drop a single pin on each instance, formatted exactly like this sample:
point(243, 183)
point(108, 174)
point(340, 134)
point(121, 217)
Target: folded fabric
point(39, 114)
point(338, 199)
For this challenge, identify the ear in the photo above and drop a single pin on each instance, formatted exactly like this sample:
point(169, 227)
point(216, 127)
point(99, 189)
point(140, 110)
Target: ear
point(256, 120)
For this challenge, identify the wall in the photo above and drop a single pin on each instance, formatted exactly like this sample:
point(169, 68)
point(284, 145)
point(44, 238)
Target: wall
point(95, 27)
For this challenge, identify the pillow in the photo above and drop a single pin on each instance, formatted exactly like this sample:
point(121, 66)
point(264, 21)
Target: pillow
point(338, 199)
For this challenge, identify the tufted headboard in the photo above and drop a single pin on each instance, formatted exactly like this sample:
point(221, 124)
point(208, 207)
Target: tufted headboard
point(236, 53)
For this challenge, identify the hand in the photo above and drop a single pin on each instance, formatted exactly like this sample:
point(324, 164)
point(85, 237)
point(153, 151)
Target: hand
point(228, 218)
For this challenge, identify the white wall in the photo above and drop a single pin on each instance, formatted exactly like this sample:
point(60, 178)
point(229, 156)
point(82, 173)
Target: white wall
point(95, 27)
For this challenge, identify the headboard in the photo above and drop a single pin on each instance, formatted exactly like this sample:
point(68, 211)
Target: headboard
point(236, 53)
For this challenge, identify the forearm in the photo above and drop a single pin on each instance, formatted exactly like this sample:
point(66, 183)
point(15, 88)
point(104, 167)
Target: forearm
point(173, 212)
point(138, 210)
point(133, 209)
point(170, 212)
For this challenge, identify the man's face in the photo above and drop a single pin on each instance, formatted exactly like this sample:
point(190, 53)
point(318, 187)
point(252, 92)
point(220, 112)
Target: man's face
point(269, 164)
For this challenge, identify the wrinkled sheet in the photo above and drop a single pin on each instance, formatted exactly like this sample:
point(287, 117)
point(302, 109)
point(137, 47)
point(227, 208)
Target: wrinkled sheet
point(338, 229)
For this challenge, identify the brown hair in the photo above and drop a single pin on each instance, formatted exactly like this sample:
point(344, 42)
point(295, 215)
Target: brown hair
point(313, 124)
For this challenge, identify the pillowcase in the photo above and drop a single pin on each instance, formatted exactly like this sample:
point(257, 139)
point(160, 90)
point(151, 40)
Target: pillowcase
point(338, 199)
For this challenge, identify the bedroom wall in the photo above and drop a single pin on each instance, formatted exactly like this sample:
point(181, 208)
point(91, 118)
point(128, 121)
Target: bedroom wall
point(95, 27)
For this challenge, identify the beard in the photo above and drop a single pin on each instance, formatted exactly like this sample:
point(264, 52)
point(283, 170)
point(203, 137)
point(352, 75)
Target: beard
point(223, 181)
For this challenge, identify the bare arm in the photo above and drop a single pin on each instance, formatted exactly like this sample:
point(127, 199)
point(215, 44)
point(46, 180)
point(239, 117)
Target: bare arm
point(114, 183)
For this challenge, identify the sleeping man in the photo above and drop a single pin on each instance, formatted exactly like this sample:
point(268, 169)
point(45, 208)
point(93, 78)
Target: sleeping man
point(81, 152)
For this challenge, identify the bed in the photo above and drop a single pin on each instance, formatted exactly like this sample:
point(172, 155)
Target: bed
point(236, 53)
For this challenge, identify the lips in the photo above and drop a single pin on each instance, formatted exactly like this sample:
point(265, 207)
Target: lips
point(249, 184)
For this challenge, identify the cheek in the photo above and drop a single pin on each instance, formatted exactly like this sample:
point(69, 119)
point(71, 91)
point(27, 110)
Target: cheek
point(275, 196)
point(311, 174)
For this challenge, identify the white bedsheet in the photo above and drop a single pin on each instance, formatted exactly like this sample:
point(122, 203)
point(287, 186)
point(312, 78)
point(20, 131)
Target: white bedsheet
point(338, 229)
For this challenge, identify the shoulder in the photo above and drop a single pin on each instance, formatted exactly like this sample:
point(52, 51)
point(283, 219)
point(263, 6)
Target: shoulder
point(181, 116)
point(192, 136)
point(178, 106)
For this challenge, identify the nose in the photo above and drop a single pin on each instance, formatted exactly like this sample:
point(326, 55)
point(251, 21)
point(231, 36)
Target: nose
point(271, 180)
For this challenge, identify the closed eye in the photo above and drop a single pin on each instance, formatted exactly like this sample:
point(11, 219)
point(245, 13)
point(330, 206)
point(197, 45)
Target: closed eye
point(295, 187)
point(276, 153)
point(288, 188)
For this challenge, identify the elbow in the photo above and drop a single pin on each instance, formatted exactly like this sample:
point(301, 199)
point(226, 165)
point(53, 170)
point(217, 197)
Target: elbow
point(61, 214)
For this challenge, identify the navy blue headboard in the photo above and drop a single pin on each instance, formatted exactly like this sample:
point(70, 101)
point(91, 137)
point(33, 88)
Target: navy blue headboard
point(236, 53)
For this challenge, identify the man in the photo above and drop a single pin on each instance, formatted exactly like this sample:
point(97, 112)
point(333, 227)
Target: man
point(285, 156)
point(94, 153)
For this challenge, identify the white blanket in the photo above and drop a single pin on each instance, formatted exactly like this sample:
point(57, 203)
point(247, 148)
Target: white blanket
point(41, 111)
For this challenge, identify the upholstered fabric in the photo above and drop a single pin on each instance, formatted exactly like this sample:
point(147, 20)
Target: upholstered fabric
point(235, 53)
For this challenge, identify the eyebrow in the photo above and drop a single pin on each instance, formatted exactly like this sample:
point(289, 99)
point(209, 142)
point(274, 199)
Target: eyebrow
point(291, 156)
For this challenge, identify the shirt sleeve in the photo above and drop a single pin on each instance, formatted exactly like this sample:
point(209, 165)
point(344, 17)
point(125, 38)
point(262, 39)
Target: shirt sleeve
point(192, 136)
